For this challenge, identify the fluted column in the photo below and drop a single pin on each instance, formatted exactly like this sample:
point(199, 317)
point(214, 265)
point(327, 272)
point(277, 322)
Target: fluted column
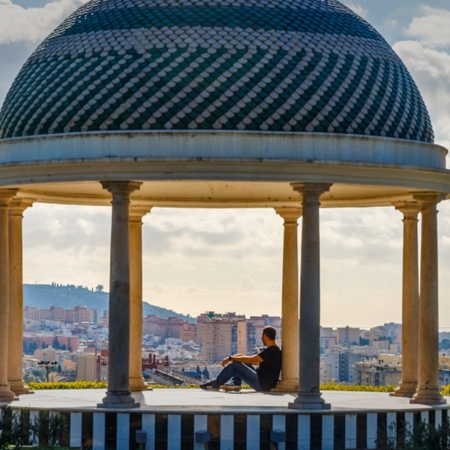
point(6, 395)
point(118, 394)
point(136, 214)
point(410, 300)
point(309, 396)
point(289, 302)
point(15, 341)
point(428, 383)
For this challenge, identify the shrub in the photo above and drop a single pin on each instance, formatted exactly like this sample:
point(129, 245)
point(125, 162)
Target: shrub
point(68, 385)
point(17, 431)
point(353, 387)
point(424, 436)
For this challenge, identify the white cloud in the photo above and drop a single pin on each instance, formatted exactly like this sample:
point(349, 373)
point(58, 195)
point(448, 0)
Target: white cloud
point(432, 29)
point(356, 8)
point(19, 24)
point(430, 69)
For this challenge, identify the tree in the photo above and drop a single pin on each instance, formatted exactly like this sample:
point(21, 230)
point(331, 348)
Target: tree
point(99, 288)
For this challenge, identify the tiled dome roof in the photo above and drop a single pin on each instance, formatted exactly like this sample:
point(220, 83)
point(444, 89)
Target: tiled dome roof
point(254, 65)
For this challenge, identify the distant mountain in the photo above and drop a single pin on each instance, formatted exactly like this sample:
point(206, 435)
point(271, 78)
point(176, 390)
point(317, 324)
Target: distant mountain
point(42, 296)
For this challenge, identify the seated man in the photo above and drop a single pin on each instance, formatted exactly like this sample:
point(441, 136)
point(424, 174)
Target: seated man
point(239, 367)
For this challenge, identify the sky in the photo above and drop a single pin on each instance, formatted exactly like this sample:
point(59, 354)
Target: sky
point(197, 260)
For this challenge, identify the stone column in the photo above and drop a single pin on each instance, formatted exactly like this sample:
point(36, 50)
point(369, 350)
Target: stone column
point(309, 396)
point(428, 384)
point(118, 394)
point(6, 395)
point(136, 213)
point(289, 302)
point(15, 336)
point(410, 301)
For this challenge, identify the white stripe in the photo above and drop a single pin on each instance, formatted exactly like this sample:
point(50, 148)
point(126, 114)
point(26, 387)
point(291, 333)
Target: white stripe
point(409, 426)
point(123, 431)
point(438, 418)
point(391, 426)
point(34, 419)
point(253, 430)
point(372, 423)
point(99, 432)
point(226, 432)
point(350, 431)
point(174, 432)
point(75, 429)
point(304, 433)
point(200, 424)
point(148, 425)
point(327, 432)
point(279, 424)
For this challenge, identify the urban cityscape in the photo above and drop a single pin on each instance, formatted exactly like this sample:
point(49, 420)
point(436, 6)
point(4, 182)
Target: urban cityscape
point(176, 351)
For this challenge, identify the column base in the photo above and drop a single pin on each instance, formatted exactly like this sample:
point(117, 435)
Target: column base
point(6, 395)
point(404, 390)
point(118, 400)
point(138, 385)
point(286, 385)
point(309, 402)
point(19, 387)
point(428, 397)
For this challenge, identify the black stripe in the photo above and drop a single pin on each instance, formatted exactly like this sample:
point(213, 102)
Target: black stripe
point(87, 429)
point(316, 431)
point(240, 431)
point(291, 431)
point(214, 430)
point(187, 431)
point(161, 428)
point(265, 427)
point(361, 430)
point(339, 432)
point(110, 429)
point(135, 424)
point(303, 20)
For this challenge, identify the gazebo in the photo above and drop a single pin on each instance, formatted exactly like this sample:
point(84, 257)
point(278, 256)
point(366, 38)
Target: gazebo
point(291, 105)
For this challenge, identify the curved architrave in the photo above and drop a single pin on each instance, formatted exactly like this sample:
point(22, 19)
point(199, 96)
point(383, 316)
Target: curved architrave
point(222, 145)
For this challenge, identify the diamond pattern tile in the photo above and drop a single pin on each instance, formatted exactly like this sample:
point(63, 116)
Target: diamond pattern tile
point(291, 66)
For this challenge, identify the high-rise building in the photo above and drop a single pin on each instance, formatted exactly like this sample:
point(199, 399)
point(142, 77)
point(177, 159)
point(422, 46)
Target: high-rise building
point(216, 340)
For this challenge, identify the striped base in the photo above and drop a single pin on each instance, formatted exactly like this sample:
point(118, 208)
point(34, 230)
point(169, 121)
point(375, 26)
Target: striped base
point(234, 431)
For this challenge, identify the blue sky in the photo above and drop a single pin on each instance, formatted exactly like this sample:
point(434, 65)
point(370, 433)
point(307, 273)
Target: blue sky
point(230, 260)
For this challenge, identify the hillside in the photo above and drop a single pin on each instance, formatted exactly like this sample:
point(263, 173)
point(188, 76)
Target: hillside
point(42, 296)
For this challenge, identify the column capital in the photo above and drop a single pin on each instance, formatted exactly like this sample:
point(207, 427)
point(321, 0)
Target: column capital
point(138, 210)
point(6, 195)
point(19, 204)
point(409, 208)
point(121, 187)
point(290, 214)
point(428, 200)
point(311, 188)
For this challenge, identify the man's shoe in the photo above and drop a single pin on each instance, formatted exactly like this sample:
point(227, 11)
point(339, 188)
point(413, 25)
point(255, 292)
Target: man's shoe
point(208, 387)
point(231, 387)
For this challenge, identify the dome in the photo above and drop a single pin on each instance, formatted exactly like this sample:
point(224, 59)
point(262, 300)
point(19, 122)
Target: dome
point(301, 66)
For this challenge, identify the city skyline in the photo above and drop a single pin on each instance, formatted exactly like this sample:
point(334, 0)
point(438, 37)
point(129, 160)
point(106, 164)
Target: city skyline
point(231, 260)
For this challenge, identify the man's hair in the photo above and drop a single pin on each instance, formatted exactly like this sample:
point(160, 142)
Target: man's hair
point(270, 332)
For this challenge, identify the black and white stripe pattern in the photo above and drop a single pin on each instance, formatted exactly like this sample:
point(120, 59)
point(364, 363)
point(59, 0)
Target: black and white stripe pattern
point(233, 431)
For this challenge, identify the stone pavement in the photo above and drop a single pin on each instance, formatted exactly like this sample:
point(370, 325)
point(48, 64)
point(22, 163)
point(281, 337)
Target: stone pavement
point(196, 400)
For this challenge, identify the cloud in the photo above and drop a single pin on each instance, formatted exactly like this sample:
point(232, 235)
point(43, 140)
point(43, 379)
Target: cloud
point(432, 29)
point(356, 8)
point(18, 24)
point(430, 68)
